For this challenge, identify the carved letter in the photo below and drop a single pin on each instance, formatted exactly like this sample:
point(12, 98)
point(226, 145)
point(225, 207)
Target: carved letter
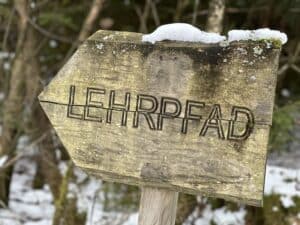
point(214, 121)
point(164, 113)
point(92, 103)
point(120, 107)
point(249, 125)
point(140, 109)
point(188, 114)
point(70, 112)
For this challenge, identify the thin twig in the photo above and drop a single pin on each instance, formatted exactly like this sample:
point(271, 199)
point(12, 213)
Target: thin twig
point(90, 19)
point(11, 161)
point(7, 30)
point(154, 13)
point(143, 16)
point(180, 7)
point(196, 6)
point(139, 14)
point(86, 28)
point(49, 34)
point(93, 206)
point(282, 69)
point(204, 12)
point(296, 53)
point(40, 5)
point(296, 68)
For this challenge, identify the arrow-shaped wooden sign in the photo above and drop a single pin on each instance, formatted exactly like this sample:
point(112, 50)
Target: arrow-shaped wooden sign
point(188, 117)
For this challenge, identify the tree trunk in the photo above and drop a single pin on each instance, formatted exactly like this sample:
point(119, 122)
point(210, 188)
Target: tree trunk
point(66, 208)
point(37, 126)
point(13, 104)
point(39, 129)
point(215, 16)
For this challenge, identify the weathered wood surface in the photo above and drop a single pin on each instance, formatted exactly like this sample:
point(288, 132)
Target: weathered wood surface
point(230, 89)
point(158, 207)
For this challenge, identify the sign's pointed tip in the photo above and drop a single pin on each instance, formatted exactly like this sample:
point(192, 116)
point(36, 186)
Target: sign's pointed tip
point(41, 95)
point(44, 94)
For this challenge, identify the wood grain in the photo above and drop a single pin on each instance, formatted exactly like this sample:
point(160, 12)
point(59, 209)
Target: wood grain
point(86, 105)
point(158, 207)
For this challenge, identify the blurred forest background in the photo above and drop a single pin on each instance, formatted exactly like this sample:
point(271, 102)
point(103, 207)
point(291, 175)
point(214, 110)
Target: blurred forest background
point(38, 183)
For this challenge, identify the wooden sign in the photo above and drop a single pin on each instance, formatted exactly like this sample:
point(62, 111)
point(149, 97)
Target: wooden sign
point(188, 117)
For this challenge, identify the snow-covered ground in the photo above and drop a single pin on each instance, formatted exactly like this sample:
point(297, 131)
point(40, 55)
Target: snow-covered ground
point(35, 207)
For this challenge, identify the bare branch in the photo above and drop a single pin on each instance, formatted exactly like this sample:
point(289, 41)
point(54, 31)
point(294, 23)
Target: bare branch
point(20, 155)
point(296, 53)
point(296, 68)
point(283, 69)
point(86, 28)
point(41, 4)
point(47, 33)
point(229, 10)
point(143, 16)
point(88, 24)
point(7, 30)
point(154, 13)
point(181, 5)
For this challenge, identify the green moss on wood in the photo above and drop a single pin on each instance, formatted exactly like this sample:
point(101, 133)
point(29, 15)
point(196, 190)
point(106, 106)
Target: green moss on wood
point(276, 43)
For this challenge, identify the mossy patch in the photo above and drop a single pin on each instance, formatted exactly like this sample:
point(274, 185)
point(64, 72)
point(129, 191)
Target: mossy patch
point(275, 43)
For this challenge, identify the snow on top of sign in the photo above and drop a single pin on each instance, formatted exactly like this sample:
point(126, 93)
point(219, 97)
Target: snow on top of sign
point(259, 34)
point(189, 33)
point(182, 32)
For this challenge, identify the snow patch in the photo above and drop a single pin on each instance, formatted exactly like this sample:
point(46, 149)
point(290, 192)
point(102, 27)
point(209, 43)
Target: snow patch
point(224, 216)
point(259, 34)
point(182, 32)
point(282, 181)
point(285, 92)
point(189, 33)
point(4, 55)
point(3, 160)
point(39, 222)
point(53, 43)
point(132, 220)
point(220, 216)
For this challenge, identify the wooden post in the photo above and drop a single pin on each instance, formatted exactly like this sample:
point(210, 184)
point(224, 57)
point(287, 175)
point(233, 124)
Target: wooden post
point(157, 206)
